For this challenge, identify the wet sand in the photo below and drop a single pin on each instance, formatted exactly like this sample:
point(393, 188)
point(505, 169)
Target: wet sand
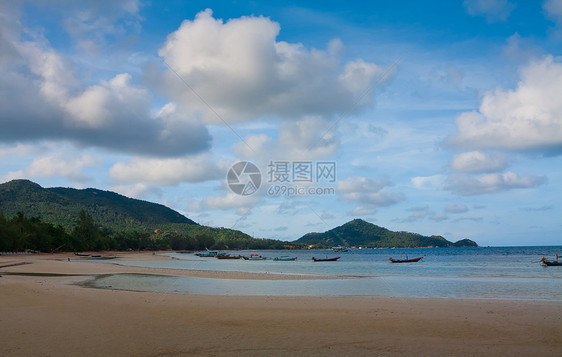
point(49, 316)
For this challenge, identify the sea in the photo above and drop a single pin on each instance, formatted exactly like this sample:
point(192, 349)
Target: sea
point(505, 273)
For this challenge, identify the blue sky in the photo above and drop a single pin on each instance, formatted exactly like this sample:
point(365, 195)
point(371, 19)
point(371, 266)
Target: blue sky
point(438, 117)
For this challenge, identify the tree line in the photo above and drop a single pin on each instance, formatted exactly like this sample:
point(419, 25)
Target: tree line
point(21, 233)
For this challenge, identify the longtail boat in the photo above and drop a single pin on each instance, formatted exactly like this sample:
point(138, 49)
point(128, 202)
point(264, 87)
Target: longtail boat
point(405, 260)
point(285, 259)
point(207, 254)
point(254, 257)
point(228, 256)
point(326, 259)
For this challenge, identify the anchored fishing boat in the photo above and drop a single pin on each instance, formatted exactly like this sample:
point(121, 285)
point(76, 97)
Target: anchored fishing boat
point(326, 259)
point(405, 260)
point(285, 258)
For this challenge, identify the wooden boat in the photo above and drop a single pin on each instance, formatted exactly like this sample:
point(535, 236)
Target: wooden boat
point(254, 257)
point(208, 254)
point(551, 263)
point(82, 254)
point(326, 259)
point(405, 260)
point(228, 256)
point(285, 259)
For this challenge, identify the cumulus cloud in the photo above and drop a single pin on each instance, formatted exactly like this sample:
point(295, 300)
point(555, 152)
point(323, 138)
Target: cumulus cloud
point(493, 182)
point(139, 190)
point(368, 193)
point(428, 182)
point(478, 162)
point(308, 138)
point(494, 10)
point(528, 118)
point(43, 99)
point(55, 165)
point(229, 201)
point(169, 171)
point(243, 72)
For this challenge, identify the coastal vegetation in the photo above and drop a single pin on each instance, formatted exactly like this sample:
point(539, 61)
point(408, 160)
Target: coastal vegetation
point(22, 233)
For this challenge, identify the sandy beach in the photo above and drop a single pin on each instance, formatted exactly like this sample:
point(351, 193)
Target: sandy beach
point(48, 315)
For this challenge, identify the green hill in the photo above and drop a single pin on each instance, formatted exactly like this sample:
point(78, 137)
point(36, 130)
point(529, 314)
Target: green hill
point(61, 206)
point(358, 233)
point(116, 215)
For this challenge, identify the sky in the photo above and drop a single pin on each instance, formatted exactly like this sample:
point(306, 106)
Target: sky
point(283, 118)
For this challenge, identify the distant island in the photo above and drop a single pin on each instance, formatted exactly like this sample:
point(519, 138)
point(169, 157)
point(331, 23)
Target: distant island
point(47, 219)
point(359, 233)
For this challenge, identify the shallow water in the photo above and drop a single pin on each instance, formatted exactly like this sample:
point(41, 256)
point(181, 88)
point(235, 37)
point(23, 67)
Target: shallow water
point(496, 273)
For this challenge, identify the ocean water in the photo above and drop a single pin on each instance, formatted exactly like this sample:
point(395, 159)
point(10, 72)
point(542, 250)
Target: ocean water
point(471, 273)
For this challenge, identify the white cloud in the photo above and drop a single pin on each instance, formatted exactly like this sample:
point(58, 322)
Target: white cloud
point(428, 182)
point(494, 10)
point(478, 162)
point(242, 72)
point(368, 193)
point(229, 201)
point(308, 138)
point(528, 118)
point(494, 182)
point(55, 165)
point(362, 210)
point(17, 150)
point(41, 89)
point(252, 146)
point(137, 190)
point(169, 171)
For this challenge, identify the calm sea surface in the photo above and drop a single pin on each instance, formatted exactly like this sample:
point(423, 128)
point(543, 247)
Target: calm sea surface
point(473, 273)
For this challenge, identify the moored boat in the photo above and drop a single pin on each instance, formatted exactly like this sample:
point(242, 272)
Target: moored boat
point(285, 258)
point(405, 260)
point(339, 249)
point(228, 256)
point(326, 259)
point(254, 257)
point(207, 254)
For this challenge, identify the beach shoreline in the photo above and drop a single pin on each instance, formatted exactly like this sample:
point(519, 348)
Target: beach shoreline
point(53, 316)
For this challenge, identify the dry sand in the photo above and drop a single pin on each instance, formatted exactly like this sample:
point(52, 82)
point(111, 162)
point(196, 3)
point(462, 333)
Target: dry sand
point(47, 316)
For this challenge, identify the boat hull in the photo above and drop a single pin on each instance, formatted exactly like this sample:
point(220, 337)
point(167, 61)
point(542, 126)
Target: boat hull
point(281, 259)
point(326, 259)
point(405, 260)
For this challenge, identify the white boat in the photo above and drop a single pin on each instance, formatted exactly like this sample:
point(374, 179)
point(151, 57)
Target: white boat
point(339, 248)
